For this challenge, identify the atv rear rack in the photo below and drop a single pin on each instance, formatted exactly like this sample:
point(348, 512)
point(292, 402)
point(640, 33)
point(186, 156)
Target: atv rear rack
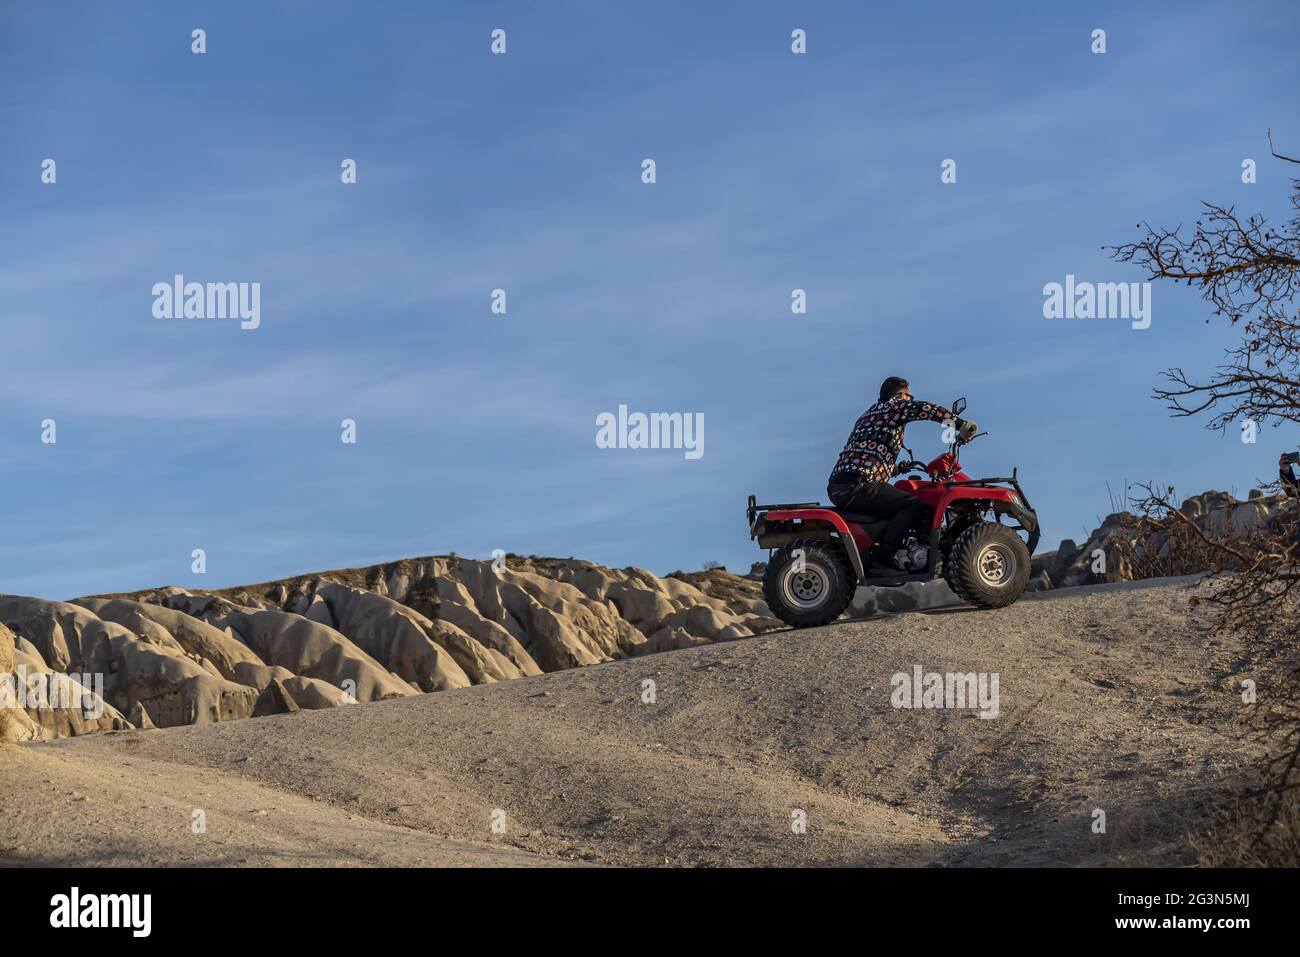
point(754, 508)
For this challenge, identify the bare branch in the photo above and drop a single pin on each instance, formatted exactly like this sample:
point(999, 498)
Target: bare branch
point(1275, 152)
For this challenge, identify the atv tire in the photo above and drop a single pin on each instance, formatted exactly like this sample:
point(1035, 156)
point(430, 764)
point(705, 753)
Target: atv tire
point(953, 581)
point(812, 595)
point(988, 566)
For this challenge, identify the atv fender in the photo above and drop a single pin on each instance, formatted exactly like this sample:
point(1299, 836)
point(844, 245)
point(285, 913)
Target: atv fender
point(848, 535)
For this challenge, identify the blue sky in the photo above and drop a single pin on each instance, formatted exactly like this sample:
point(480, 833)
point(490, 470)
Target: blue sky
point(477, 431)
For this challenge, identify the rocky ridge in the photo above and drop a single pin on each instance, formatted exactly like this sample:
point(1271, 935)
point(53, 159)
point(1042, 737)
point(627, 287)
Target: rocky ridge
point(171, 656)
point(1106, 555)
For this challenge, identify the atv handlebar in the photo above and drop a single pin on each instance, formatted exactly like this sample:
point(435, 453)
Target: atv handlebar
point(958, 443)
point(910, 466)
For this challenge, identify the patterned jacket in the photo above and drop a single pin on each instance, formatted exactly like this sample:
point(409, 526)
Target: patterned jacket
point(877, 437)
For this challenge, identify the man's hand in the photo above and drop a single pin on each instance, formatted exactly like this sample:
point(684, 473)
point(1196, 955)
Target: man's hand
point(966, 430)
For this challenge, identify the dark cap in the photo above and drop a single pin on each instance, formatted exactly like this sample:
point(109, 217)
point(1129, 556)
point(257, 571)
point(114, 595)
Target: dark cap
point(892, 386)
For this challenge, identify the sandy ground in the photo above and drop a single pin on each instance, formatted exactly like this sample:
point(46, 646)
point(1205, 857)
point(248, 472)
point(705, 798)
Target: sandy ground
point(1110, 698)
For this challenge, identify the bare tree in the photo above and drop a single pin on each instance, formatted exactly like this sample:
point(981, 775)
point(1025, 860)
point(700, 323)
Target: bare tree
point(1253, 587)
point(1249, 272)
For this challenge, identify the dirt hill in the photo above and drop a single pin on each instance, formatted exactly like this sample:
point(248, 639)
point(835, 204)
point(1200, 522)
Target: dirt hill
point(1110, 699)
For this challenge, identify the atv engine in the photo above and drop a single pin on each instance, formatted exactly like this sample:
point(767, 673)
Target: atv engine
point(912, 557)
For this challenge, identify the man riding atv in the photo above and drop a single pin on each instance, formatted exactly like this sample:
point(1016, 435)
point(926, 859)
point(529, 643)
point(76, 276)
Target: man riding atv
point(860, 480)
point(1286, 474)
point(976, 534)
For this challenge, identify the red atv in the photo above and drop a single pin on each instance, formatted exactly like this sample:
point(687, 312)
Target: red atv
point(823, 554)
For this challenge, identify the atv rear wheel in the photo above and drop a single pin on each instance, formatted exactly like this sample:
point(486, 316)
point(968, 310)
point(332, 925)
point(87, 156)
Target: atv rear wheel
point(988, 566)
point(810, 592)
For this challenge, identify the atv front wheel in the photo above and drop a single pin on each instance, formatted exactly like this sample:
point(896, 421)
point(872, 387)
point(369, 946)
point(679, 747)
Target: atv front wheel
point(808, 582)
point(988, 566)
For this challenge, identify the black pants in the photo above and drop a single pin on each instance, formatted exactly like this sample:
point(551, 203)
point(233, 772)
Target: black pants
point(905, 512)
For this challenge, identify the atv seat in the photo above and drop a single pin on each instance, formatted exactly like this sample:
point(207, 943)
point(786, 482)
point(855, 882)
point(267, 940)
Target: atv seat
point(857, 517)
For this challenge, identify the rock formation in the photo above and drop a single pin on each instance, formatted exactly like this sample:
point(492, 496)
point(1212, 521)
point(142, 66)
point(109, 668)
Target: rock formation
point(1105, 556)
point(38, 704)
point(170, 656)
